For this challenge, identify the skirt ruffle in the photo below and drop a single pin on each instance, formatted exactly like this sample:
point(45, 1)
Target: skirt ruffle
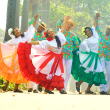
point(10, 73)
point(78, 72)
point(28, 70)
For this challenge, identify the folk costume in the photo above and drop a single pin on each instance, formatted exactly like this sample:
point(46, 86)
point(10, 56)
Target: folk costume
point(43, 64)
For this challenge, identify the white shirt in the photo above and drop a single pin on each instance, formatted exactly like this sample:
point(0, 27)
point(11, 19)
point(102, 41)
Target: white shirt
point(27, 37)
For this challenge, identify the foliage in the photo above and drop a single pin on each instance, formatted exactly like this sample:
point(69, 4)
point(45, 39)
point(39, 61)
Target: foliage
point(81, 11)
point(11, 85)
point(2, 33)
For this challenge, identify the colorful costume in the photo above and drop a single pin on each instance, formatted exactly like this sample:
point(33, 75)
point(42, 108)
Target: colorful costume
point(71, 45)
point(37, 37)
point(104, 54)
point(43, 64)
point(9, 68)
point(89, 68)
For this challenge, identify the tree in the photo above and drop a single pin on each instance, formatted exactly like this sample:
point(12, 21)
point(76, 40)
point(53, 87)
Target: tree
point(12, 16)
point(25, 13)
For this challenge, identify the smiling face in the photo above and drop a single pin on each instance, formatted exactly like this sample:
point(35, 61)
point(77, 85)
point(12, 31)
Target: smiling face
point(69, 26)
point(17, 32)
point(51, 34)
point(40, 29)
point(88, 32)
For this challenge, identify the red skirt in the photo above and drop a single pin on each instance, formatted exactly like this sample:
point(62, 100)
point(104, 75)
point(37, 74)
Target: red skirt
point(44, 68)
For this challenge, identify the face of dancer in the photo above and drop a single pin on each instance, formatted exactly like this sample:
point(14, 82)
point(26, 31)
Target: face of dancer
point(88, 32)
point(51, 34)
point(69, 26)
point(40, 29)
point(108, 31)
point(17, 32)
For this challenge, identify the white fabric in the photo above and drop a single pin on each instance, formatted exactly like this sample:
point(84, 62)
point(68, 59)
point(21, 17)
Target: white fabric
point(43, 49)
point(106, 66)
point(90, 44)
point(52, 45)
point(67, 71)
point(32, 85)
point(28, 35)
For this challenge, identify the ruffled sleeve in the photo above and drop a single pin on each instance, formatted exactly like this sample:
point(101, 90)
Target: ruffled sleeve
point(30, 33)
point(95, 34)
point(84, 47)
point(43, 44)
point(11, 42)
point(61, 37)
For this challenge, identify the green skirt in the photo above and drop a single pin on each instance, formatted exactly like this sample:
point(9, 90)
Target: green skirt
point(78, 71)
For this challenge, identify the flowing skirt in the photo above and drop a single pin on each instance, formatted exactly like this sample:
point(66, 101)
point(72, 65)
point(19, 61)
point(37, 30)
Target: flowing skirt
point(9, 68)
point(41, 66)
point(87, 67)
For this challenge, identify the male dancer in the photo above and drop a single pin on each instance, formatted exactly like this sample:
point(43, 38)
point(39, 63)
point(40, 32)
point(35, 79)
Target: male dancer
point(71, 44)
point(38, 36)
point(104, 53)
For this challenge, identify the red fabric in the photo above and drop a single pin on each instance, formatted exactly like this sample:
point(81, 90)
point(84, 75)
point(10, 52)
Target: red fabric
point(28, 69)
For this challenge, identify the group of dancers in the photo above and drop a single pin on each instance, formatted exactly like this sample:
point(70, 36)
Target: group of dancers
point(37, 58)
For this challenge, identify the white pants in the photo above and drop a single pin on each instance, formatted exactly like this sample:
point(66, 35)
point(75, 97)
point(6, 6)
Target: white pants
point(105, 65)
point(67, 71)
point(32, 85)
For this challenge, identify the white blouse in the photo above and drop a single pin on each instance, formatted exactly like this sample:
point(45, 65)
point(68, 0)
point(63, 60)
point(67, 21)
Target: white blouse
point(52, 45)
point(91, 44)
point(27, 37)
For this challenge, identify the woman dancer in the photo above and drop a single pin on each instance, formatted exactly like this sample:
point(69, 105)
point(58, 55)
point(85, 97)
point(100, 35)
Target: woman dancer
point(43, 63)
point(9, 68)
point(89, 68)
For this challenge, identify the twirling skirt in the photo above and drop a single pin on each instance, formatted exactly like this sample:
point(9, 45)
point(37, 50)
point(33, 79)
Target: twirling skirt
point(9, 68)
point(87, 67)
point(41, 66)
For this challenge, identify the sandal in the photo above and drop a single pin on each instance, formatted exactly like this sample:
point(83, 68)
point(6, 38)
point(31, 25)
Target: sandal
point(35, 91)
point(63, 92)
point(89, 92)
point(4, 88)
point(30, 90)
point(17, 90)
point(40, 88)
point(48, 92)
point(77, 87)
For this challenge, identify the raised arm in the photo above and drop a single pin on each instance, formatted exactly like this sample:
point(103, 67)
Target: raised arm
point(66, 18)
point(31, 30)
point(35, 17)
point(59, 23)
point(96, 19)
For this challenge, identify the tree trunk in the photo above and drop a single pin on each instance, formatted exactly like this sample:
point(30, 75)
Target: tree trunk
point(25, 13)
point(36, 10)
point(17, 13)
point(44, 11)
point(48, 14)
point(12, 16)
point(45, 15)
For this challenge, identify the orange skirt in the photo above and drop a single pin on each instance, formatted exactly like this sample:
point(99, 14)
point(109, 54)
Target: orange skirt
point(9, 68)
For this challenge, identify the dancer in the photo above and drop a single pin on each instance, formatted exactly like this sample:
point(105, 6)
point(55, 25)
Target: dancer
point(47, 60)
point(9, 68)
point(104, 54)
point(38, 36)
point(71, 45)
point(89, 68)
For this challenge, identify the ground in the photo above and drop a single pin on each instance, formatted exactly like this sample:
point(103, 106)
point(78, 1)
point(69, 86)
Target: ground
point(57, 101)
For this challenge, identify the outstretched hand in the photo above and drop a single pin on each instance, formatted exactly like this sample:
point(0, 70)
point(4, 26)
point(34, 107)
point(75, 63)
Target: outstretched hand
point(36, 16)
point(97, 15)
point(66, 18)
